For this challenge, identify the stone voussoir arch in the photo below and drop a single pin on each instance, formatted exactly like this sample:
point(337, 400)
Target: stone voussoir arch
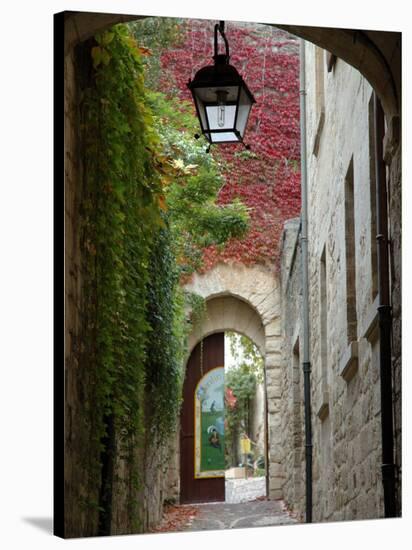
point(228, 313)
point(247, 300)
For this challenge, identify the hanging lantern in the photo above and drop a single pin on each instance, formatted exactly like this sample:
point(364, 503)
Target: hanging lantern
point(222, 99)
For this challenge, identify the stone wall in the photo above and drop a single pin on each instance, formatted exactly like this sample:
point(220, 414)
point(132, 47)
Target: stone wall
point(292, 413)
point(158, 483)
point(79, 490)
point(244, 490)
point(393, 159)
point(344, 337)
point(345, 366)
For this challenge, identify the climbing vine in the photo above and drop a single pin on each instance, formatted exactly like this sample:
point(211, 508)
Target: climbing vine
point(267, 178)
point(120, 215)
point(192, 183)
point(154, 34)
point(148, 207)
point(165, 315)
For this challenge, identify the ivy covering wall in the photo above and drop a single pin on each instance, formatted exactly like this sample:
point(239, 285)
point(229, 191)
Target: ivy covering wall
point(149, 205)
point(120, 215)
point(267, 177)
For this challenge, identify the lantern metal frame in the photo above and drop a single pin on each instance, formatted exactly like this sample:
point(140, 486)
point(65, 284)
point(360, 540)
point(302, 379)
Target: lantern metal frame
point(211, 79)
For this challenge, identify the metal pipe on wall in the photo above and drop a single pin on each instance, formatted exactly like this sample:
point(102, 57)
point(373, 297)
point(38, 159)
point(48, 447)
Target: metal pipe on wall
point(305, 287)
point(385, 317)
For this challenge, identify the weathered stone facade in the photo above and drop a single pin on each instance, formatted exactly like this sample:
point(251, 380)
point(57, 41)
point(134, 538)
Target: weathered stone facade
point(292, 414)
point(77, 487)
point(344, 333)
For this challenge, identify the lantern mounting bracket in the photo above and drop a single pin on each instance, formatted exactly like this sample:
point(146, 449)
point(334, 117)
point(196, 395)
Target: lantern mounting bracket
point(220, 27)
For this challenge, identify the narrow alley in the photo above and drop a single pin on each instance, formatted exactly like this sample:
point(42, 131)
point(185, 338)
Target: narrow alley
point(233, 271)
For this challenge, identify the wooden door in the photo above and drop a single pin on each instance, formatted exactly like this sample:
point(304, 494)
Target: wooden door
point(210, 487)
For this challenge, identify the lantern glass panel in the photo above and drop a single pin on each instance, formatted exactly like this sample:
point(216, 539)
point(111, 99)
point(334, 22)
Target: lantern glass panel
point(220, 137)
point(245, 105)
point(201, 112)
point(208, 94)
point(229, 117)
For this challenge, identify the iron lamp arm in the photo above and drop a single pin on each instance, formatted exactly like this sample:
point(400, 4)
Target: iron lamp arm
point(220, 27)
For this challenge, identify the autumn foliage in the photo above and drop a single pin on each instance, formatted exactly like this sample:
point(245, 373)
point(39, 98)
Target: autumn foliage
point(267, 177)
point(176, 518)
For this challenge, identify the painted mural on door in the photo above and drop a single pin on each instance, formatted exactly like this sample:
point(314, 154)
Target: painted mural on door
point(202, 435)
point(210, 425)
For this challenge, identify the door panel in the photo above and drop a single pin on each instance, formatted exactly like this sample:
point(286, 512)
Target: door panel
point(192, 489)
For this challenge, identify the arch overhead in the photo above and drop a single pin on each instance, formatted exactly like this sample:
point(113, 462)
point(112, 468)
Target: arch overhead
point(80, 26)
point(375, 54)
point(247, 300)
point(229, 313)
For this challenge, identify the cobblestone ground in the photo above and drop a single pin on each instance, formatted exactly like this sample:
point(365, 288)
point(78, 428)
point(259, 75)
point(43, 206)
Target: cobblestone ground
point(222, 515)
point(246, 506)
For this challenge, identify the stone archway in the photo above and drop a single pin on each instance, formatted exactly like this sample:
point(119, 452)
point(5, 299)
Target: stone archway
point(375, 54)
point(247, 300)
point(225, 313)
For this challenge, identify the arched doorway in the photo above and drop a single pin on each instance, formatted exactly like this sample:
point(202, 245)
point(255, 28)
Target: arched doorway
point(202, 457)
point(223, 428)
point(232, 304)
point(247, 301)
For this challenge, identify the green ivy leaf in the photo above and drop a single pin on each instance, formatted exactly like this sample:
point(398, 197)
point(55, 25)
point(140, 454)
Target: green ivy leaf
point(107, 38)
point(96, 56)
point(105, 57)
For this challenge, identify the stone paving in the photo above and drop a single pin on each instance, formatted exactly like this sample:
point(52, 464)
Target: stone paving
point(223, 515)
point(246, 506)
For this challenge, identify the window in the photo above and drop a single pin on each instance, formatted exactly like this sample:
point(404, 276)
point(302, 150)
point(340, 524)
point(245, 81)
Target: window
point(319, 96)
point(350, 252)
point(323, 405)
point(298, 448)
point(323, 320)
point(320, 80)
point(330, 61)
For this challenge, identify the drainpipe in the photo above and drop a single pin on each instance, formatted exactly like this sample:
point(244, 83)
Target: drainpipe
point(305, 286)
point(385, 317)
